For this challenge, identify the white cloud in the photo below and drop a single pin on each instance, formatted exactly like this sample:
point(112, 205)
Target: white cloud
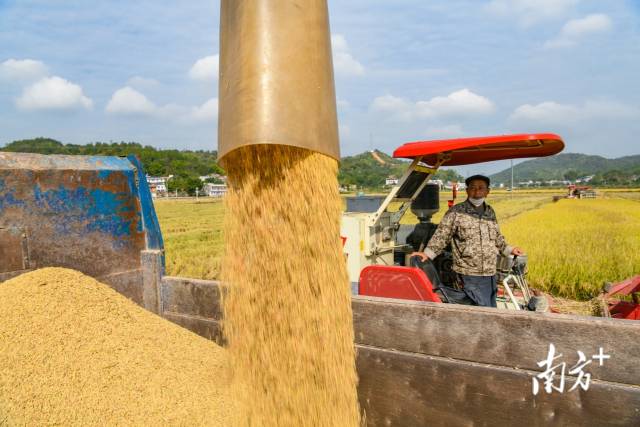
point(590, 24)
point(553, 113)
point(53, 93)
point(576, 29)
point(142, 82)
point(391, 104)
point(529, 12)
point(462, 102)
point(22, 70)
point(205, 69)
point(445, 132)
point(338, 42)
point(343, 62)
point(128, 101)
point(207, 111)
point(342, 103)
point(459, 103)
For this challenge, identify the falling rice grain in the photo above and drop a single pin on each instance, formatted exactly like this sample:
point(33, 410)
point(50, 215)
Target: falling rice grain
point(288, 313)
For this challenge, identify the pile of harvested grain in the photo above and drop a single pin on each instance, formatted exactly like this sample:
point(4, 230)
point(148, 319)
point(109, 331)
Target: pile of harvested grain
point(288, 315)
point(75, 352)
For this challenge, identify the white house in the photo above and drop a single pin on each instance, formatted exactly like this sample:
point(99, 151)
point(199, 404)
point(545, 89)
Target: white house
point(213, 176)
point(158, 185)
point(392, 180)
point(215, 190)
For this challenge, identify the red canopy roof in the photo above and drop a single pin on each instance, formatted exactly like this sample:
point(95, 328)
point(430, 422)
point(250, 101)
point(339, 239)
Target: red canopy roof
point(464, 151)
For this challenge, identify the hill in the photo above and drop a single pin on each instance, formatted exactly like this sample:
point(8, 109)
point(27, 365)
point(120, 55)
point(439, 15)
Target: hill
point(370, 170)
point(366, 170)
point(570, 166)
point(186, 166)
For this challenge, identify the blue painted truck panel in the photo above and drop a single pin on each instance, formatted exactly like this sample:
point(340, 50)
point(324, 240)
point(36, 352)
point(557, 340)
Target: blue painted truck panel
point(91, 213)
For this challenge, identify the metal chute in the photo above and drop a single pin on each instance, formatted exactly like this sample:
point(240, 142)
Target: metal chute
point(276, 76)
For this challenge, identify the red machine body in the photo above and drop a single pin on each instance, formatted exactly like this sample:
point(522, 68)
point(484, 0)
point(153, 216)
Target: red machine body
point(396, 282)
point(465, 151)
point(625, 309)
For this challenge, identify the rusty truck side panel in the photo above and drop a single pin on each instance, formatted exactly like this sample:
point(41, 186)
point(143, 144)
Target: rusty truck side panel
point(433, 364)
point(89, 213)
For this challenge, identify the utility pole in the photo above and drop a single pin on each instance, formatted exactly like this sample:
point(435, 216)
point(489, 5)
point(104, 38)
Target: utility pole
point(512, 178)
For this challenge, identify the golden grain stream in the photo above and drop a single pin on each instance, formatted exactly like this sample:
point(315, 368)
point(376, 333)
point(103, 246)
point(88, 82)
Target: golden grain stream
point(287, 311)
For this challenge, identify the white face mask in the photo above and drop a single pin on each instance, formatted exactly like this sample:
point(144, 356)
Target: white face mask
point(476, 202)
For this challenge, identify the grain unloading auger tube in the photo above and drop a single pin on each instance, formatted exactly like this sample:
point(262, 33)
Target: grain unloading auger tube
point(276, 76)
point(377, 244)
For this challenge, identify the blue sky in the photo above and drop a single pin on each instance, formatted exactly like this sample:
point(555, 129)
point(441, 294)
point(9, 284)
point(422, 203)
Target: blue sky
point(146, 71)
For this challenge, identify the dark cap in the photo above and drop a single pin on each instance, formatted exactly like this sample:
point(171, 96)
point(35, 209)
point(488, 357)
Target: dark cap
point(477, 177)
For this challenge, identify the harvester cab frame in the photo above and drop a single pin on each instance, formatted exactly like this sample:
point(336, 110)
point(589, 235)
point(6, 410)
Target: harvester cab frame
point(376, 243)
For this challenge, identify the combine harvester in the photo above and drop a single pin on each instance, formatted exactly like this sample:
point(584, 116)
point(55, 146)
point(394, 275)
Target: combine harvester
point(378, 245)
point(420, 363)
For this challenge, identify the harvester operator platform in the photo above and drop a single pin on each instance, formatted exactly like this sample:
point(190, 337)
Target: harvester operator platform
point(472, 230)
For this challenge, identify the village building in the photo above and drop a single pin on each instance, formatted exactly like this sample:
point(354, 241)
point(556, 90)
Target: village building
point(392, 180)
point(158, 185)
point(215, 190)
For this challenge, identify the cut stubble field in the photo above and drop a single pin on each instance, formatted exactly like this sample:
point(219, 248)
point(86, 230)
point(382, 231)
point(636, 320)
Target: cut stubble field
point(574, 246)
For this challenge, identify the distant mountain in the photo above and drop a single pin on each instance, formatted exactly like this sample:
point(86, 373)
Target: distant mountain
point(366, 170)
point(571, 166)
point(369, 169)
point(372, 168)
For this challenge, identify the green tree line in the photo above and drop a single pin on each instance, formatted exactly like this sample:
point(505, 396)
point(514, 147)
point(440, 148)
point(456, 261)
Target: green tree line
point(365, 171)
point(369, 171)
point(186, 166)
point(622, 171)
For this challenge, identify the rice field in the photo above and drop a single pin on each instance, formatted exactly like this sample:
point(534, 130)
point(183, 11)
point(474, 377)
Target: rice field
point(192, 232)
point(574, 246)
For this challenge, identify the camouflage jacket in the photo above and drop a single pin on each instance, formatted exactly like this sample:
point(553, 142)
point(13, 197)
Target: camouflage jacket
point(475, 239)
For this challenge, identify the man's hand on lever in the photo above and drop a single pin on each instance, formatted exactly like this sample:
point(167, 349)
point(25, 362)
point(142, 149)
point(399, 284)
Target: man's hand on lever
point(517, 251)
point(422, 255)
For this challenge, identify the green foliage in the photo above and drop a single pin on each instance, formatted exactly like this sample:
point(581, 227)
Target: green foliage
point(366, 171)
point(186, 166)
point(37, 145)
point(214, 180)
point(570, 166)
point(186, 184)
point(370, 170)
point(448, 175)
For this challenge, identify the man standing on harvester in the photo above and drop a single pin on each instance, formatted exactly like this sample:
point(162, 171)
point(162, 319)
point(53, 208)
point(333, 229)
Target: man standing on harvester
point(472, 229)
